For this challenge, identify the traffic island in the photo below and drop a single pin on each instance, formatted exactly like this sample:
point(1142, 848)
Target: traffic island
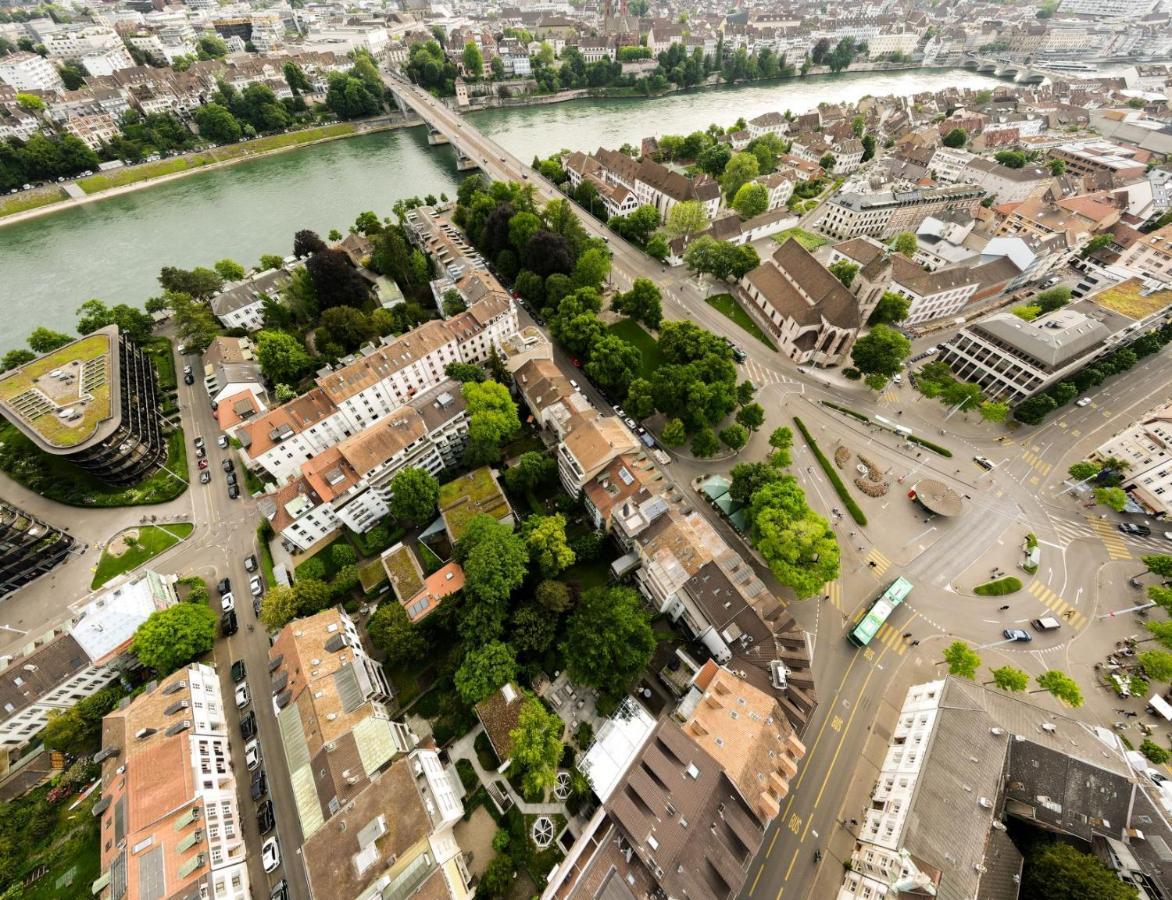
point(134, 547)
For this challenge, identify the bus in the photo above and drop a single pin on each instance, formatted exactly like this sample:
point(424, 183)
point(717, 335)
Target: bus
point(880, 611)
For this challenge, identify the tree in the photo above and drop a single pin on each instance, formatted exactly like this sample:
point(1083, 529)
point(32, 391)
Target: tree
point(533, 629)
point(342, 329)
point(705, 442)
point(497, 879)
point(1057, 167)
point(613, 363)
point(394, 634)
point(642, 302)
point(962, 660)
point(890, 309)
point(414, 494)
point(306, 243)
point(657, 247)
point(993, 411)
point(1161, 596)
point(734, 437)
point(495, 560)
point(1161, 632)
point(279, 607)
point(532, 470)
point(1052, 299)
point(492, 419)
point(473, 60)
point(1154, 752)
point(844, 270)
point(674, 433)
point(553, 596)
point(545, 536)
point(750, 477)
point(751, 416)
point(1084, 470)
point(537, 747)
point(485, 669)
point(712, 160)
point(1011, 159)
point(1157, 664)
point(687, 218)
point(134, 323)
point(741, 169)
point(956, 138)
point(868, 142)
point(881, 351)
point(77, 731)
point(1059, 871)
point(547, 253)
point(905, 243)
point(1112, 497)
point(752, 199)
point(217, 124)
point(194, 322)
point(1158, 564)
point(14, 358)
point(1010, 679)
point(462, 372)
point(174, 636)
point(796, 543)
point(592, 268)
point(522, 226)
point(42, 340)
point(335, 280)
point(1061, 686)
point(200, 282)
point(229, 270)
point(281, 356)
point(608, 640)
point(827, 162)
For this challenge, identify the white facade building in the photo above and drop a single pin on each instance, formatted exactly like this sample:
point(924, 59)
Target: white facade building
point(29, 72)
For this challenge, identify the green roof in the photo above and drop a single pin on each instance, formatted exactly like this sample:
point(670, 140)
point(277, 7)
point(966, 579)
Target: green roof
point(470, 495)
point(404, 571)
point(34, 399)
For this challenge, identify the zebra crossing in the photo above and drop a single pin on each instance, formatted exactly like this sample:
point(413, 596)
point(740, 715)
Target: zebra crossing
point(833, 590)
point(1056, 604)
point(1037, 463)
point(761, 376)
point(892, 638)
point(1112, 539)
point(877, 563)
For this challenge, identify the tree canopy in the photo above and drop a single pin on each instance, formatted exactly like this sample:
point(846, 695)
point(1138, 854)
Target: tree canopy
point(174, 636)
point(414, 494)
point(608, 639)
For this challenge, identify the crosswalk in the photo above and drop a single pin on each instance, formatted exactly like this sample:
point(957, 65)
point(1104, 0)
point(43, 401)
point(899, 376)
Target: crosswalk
point(1036, 462)
point(877, 563)
point(1057, 605)
point(761, 376)
point(833, 590)
point(892, 638)
point(889, 397)
point(1112, 539)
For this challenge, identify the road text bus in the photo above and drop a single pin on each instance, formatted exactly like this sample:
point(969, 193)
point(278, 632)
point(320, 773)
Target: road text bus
point(879, 612)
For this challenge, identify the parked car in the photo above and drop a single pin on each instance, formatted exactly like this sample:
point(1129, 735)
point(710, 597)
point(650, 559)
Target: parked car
point(227, 465)
point(243, 698)
point(232, 478)
point(1083, 401)
point(630, 423)
point(224, 585)
point(205, 476)
point(189, 379)
point(1135, 529)
point(256, 586)
point(233, 492)
point(738, 354)
point(203, 464)
point(222, 441)
point(280, 891)
point(270, 854)
point(228, 602)
point(984, 462)
point(248, 726)
point(198, 443)
point(250, 562)
point(618, 411)
point(252, 754)
point(228, 624)
point(259, 785)
point(265, 820)
point(574, 385)
point(237, 671)
point(1016, 634)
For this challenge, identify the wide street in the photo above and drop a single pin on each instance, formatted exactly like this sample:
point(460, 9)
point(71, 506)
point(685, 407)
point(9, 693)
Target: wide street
point(1083, 574)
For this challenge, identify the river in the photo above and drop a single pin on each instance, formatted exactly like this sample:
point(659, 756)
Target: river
point(113, 249)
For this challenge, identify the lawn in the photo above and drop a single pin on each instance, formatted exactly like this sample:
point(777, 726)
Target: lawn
point(727, 306)
point(650, 359)
point(34, 199)
point(807, 239)
point(57, 479)
point(150, 542)
point(263, 532)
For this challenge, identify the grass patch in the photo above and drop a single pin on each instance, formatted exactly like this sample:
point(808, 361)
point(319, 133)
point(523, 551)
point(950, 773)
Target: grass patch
point(51, 428)
point(371, 575)
point(839, 487)
point(472, 494)
point(726, 305)
point(467, 775)
point(807, 239)
point(34, 199)
point(998, 588)
point(650, 359)
point(69, 853)
point(264, 531)
point(151, 541)
point(57, 479)
point(588, 575)
point(485, 755)
point(162, 355)
point(146, 171)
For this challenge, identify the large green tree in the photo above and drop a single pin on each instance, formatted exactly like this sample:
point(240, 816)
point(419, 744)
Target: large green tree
point(537, 748)
point(613, 363)
point(1059, 871)
point(880, 352)
point(414, 494)
point(495, 563)
point(545, 536)
point(608, 639)
point(492, 419)
point(78, 729)
point(1061, 686)
point(282, 357)
point(485, 668)
point(402, 642)
point(174, 636)
point(962, 660)
point(797, 543)
point(42, 339)
point(686, 218)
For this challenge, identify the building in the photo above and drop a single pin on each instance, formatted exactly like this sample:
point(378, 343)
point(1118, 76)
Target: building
point(475, 493)
point(1108, 164)
point(588, 445)
point(1146, 450)
point(28, 548)
point(419, 594)
point(813, 317)
point(93, 402)
point(241, 305)
point(1151, 255)
point(1012, 359)
point(79, 660)
point(25, 71)
point(170, 822)
point(1007, 185)
point(230, 367)
point(964, 760)
point(551, 399)
point(885, 214)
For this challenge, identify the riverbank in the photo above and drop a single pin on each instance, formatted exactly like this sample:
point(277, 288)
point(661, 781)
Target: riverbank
point(144, 175)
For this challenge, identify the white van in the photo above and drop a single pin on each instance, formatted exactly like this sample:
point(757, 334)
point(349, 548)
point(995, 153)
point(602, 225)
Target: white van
point(1046, 623)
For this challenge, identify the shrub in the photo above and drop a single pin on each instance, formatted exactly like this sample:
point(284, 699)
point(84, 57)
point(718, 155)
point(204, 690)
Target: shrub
point(998, 588)
point(312, 568)
point(928, 445)
point(1154, 752)
point(847, 500)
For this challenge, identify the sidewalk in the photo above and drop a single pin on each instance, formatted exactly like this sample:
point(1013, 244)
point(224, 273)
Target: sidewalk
point(463, 748)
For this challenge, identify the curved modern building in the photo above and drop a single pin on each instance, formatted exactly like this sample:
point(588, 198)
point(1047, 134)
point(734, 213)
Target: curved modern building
point(94, 402)
point(28, 548)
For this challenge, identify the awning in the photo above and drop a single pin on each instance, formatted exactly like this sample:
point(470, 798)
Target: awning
point(280, 682)
point(187, 818)
point(100, 883)
point(190, 840)
point(102, 805)
point(191, 865)
point(283, 698)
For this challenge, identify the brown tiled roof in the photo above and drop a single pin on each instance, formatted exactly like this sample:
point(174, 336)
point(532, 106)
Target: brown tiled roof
point(382, 440)
point(349, 380)
point(293, 417)
point(39, 673)
point(800, 288)
point(594, 441)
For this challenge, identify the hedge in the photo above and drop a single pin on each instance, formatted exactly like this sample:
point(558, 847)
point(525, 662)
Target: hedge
point(998, 588)
point(927, 445)
point(847, 500)
point(849, 412)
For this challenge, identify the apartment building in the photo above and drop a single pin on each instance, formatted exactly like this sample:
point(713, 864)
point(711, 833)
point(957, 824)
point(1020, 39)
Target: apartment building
point(26, 71)
point(241, 305)
point(589, 444)
point(170, 822)
point(94, 402)
point(1107, 163)
point(29, 548)
point(1007, 185)
point(419, 594)
point(1151, 255)
point(885, 214)
point(948, 164)
point(80, 659)
point(1146, 450)
point(549, 395)
point(767, 123)
point(348, 483)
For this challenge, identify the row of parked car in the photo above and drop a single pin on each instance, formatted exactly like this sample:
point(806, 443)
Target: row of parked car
point(204, 465)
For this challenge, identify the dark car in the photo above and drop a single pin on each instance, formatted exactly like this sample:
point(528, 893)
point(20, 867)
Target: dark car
point(233, 492)
point(280, 891)
point(238, 671)
point(228, 624)
point(248, 726)
point(205, 476)
point(224, 586)
point(189, 378)
point(250, 562)
point(265, 820)
point(227, 465)
point(1132, 528)
point(231, 478)
point(256, 606)
point(260, 784)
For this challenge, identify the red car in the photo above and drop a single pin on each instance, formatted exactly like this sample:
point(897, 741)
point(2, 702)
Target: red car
point(575, 362)
point(203, 463)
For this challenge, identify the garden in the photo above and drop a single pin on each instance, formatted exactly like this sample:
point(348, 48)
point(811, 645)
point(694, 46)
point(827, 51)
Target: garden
point(131, 548)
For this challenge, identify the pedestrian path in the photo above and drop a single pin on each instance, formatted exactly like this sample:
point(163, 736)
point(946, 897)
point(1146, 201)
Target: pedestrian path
point(761, 376)
point(1112, 539)
point(878, 563)
point(833, 590)
point(892, 638)
point(1037, 463)
point(889, 397)
point(1055, 603)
